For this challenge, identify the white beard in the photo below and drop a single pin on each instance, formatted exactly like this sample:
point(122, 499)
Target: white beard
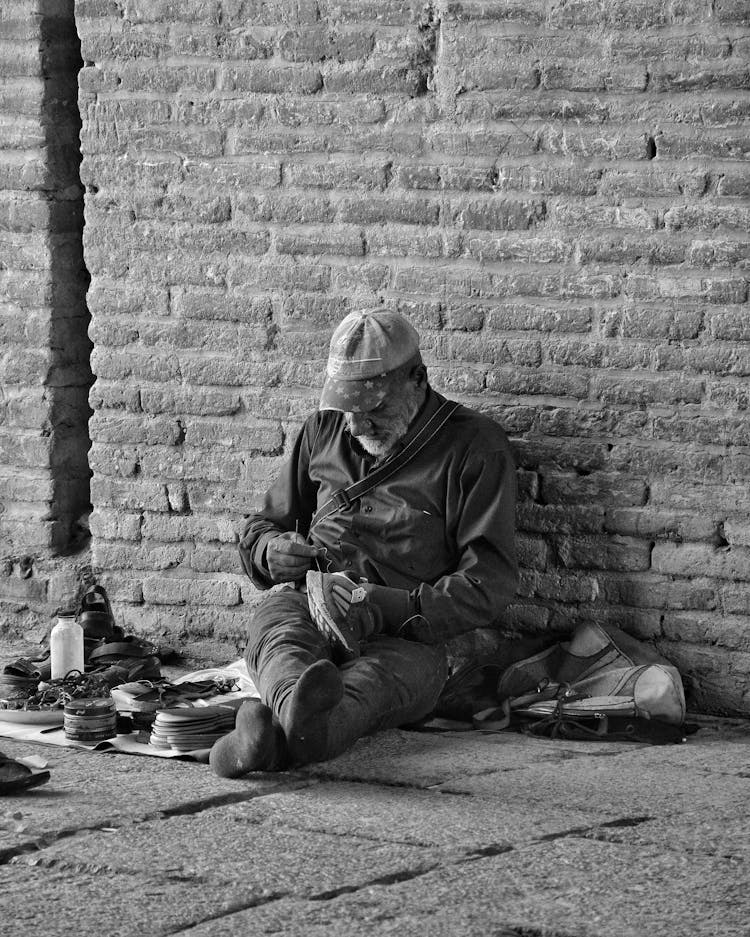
point(380, 447)
point(376, 447)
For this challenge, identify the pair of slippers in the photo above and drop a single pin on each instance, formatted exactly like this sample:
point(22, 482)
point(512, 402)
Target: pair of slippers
point(15, 776)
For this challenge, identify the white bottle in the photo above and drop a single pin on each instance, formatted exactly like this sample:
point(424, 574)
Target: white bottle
point(66, 645)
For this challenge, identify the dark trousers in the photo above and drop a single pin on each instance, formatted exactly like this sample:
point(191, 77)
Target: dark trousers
point(393, 683)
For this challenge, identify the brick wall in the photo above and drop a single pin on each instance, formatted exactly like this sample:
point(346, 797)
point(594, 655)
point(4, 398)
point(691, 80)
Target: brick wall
point(44, 349)
point(554, 192)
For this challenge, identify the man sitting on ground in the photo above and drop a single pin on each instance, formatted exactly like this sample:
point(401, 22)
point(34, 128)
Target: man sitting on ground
point(378, 576)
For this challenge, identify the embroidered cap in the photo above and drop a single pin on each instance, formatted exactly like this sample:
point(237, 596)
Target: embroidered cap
point(365, 348)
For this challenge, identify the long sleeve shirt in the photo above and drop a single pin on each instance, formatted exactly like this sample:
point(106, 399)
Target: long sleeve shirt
point(435, 540)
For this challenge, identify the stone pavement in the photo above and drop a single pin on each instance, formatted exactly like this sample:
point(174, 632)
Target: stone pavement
point(456, 834)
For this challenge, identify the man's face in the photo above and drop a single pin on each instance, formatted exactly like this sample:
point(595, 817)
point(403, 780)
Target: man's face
point(378, 430)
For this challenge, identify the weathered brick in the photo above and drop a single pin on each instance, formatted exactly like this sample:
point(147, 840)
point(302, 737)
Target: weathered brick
point(592, 488)
point(159, 11)
point(346, 241)
point(498, 212)
point(262, 78)
point(380, 209)
point(714, 358)
point(710, 289)
point(375, 277)
point(114, 524)
point(700, 76)
point(398, 241)
point(537, 381)
point(165, 591)
point(649, 521)
point(652, 182)
point(702, 429)
point(465, 347)
point(622, 553)
point(574, 213)
point(663, 321)
point(709, 215)
point(331, 175)
point(560, 519)
point(646, 591)
point(717, 498)
point(256, 435)
point(731, 394)
point(516, 248)
point(528, 317)
point(734, 598)
point(564, 422)
point(695, 559)
point(696, 628)
point(731, 324)
point(619, 389)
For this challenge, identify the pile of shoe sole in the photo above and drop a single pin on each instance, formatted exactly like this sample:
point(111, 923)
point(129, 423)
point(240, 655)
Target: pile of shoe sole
point(191, 728)
point(90, 720)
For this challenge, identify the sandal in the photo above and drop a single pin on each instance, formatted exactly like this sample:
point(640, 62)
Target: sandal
point(131, 648)
point(16, 776)
point(146, 697)
point(126, 671)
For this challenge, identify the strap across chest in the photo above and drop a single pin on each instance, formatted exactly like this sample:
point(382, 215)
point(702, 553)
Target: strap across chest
point(345, 497)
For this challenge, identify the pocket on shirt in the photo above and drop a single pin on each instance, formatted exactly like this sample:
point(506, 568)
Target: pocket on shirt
point(418, 540)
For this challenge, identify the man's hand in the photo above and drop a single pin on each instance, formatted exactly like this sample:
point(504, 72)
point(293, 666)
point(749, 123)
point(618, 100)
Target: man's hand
point(289, 557)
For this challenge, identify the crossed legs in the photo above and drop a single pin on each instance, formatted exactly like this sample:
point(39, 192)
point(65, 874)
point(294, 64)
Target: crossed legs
point(312, 710)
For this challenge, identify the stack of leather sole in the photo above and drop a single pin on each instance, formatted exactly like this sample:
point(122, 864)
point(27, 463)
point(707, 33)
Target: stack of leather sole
point(191, 728)
point(90, 720)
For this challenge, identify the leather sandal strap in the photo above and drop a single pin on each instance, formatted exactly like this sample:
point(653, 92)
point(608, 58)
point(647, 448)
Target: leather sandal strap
point(122, 649)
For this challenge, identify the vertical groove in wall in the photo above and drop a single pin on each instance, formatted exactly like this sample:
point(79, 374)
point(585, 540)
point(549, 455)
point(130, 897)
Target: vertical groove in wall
point(69, 377)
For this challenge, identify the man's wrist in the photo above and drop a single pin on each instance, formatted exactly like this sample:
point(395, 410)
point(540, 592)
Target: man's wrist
point(392, 607)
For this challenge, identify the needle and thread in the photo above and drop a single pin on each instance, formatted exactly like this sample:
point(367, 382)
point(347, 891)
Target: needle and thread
point(321, 551)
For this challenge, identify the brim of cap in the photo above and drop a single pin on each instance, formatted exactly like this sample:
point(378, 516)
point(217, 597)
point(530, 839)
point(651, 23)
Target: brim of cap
point(353, 396)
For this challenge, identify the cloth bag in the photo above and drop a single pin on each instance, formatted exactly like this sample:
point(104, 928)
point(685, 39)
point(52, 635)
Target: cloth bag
point(601, 684)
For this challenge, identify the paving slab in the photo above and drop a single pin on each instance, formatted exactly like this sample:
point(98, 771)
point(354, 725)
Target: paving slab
point(92, 789)
point(569, 888)
point(459, 825)
point(185, 868)
point(432, 759)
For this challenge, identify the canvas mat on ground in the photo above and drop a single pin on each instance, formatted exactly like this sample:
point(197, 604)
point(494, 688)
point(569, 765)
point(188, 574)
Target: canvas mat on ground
point(42, 727)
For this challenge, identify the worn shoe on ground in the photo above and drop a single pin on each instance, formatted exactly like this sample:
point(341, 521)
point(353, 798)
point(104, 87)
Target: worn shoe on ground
point(15, 776)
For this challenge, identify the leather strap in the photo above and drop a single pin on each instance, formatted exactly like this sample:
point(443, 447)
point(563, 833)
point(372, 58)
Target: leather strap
point(581, 727)
point(345, 497)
